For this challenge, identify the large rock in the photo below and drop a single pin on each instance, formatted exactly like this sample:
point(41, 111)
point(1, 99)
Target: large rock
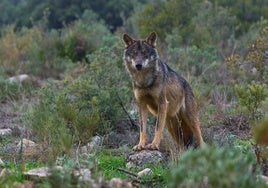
point(143, 158)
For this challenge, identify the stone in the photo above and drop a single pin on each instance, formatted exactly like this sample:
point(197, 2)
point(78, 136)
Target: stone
point(5, 131)
point(2, 163)
point(42, 172)
point(265, 179)
point(4, 173)
point(20, 78)
point(84, 175)
point(144, 157)
point(25, 143)
point(119, 183)
point(25, 184)
point(145, 172)
point(95, 142)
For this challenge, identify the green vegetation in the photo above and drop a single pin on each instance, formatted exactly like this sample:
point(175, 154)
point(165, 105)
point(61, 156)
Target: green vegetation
point(215, 167)
point(78, 87)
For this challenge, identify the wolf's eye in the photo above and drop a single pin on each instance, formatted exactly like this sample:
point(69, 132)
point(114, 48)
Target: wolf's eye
point(144, 52)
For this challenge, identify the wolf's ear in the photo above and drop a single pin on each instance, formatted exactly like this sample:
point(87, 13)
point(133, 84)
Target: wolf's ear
point(128, 40)
point(151, 40)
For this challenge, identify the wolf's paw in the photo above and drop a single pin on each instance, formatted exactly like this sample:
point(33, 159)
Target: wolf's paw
point(139, 147)
point(152, 146)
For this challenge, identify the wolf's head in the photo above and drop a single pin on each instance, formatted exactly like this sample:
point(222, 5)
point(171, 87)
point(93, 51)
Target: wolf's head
point(140, 54)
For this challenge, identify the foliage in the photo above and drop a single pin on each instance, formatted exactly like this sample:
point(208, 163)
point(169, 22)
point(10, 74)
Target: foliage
point(30, 51)
point(215, 25)
point(60, 13)
point(164, 16)
point(109, 164)
point(252, 65)
point(70, 112)
point(251, 96)
point(43, 53)
point(80, 38)
point(215, 167)
point(61, 119)
point(246, 11)
point(193, 59)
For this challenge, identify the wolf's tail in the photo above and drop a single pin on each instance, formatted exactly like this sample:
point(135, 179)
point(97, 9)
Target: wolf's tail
point(180, 132)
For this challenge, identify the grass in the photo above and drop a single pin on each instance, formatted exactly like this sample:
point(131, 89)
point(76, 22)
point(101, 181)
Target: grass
point(109, 165)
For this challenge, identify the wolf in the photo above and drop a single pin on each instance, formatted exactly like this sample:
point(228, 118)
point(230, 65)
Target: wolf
point(161, 91)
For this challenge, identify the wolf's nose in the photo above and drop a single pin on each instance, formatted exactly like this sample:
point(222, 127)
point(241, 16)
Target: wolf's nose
point(138, 66)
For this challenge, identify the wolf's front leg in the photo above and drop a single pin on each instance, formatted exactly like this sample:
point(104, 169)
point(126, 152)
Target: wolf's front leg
point(160, 123)
point(143, 112)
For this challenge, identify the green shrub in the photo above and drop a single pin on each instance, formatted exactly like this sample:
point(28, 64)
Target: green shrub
point(251, 65)
point(62, 118)
point(165, 16)
point(70, 112)
point(193, 59)
point(82, 37)
point(251, 96)
point(215, 167)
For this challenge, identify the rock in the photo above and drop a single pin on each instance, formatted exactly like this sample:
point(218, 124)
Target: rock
point(25, 184)
point(265, 179)
point(84, 175)
point(140, 159)
point(41, 172)
point(5, 131)
point(24, 78)
point(4, 172)
point(119, 183)
point(25, 143)
point(95, 142)
point(2, 163)
point(20, 78)
point(145, 172)
point(83, 149)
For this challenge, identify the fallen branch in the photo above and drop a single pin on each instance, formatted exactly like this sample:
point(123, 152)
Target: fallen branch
point(128, 172)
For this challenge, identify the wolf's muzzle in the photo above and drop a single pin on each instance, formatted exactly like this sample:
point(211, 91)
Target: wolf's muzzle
point(138, 65)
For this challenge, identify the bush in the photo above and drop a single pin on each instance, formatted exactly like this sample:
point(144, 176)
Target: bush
point(165, 16)
point(251, 96)
point(31, 51)
point(215, 167)
point(193, 59)
point(82, 37)
point(70, 112)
